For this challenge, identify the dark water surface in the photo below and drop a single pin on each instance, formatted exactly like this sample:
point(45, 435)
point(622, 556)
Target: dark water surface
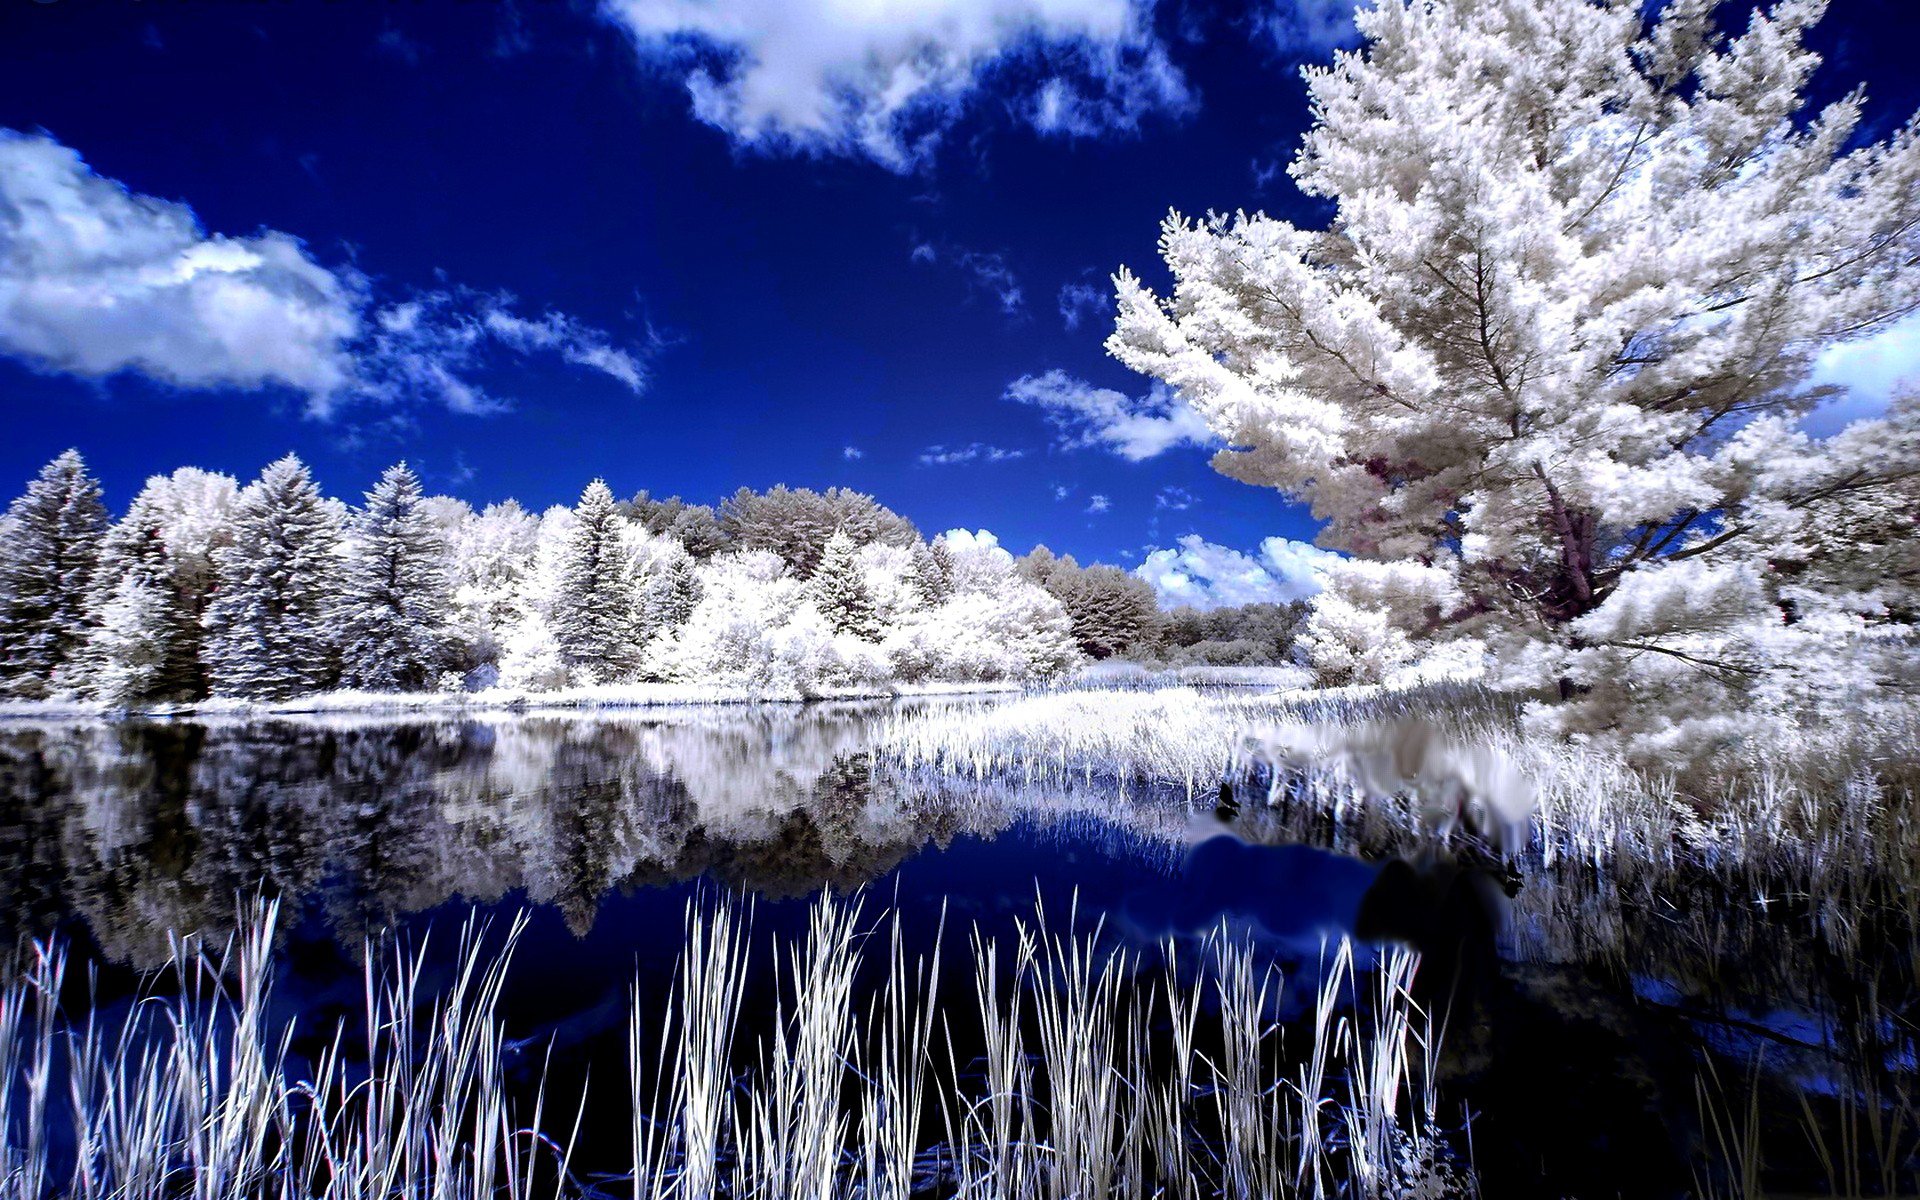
point(1583, 1013)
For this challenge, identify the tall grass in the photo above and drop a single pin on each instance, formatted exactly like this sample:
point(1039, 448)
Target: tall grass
point(1070, 1068)
point(1815, 812)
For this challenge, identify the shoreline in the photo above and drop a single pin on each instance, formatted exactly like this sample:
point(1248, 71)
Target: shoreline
point(494, 700)
point(636, 696)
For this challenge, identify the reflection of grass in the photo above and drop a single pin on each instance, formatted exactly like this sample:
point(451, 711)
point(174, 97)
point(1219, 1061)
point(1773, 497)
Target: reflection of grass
point(1085, 1076)
point(1816, 812)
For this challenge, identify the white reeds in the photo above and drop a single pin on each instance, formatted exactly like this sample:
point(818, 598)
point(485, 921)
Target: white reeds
point(1813, 812)
point(1091, 1079)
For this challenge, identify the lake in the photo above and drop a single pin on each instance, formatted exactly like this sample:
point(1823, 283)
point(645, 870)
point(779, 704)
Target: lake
point(1580, 1009)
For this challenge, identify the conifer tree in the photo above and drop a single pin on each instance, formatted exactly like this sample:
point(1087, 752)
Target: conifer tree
point(932, 573)
point(49, 546)
point(668, 598)
point(593, 611)
point(840, 592)
point(268, 636)
point(393, 612)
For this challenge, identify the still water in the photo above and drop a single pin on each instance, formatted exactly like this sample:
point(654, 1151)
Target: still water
point(1583, 1013)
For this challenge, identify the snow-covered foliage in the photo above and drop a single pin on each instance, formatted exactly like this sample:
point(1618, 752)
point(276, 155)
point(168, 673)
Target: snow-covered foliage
point(1542, 374)
point(203, 591)
point(151, 590)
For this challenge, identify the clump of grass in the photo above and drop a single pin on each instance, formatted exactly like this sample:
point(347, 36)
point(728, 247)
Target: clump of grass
point(1070, 1071)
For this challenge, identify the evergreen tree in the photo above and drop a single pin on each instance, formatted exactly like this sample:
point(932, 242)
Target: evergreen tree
point(393, 613)
point(668, 598)
point(839, 590)
point(932, 573)
point(50, 546)
point(593, 611)
point(268, 635)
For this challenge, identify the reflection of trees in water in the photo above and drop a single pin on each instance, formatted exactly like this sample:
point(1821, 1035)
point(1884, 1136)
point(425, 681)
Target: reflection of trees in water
point(138, 828)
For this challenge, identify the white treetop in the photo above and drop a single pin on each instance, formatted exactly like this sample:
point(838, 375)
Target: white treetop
point(1552, 350)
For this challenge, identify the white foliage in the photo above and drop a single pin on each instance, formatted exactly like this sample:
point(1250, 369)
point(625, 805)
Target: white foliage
point(1556, 345)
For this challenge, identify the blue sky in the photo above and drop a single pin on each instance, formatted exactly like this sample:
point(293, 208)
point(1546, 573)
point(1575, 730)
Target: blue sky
point(684, 246)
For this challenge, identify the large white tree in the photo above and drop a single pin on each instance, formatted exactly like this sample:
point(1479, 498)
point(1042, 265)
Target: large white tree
point(49, 544)
point(151, 590)
point(593, 612)
point(269, 632)
point(393, 611)
point(1551, 352)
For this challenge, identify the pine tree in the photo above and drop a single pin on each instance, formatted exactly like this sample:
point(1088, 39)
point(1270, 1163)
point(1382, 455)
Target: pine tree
point(268, 636)
point(393, 611)
point(593, 612)
point(47, 557)
point(932, 573)
point(668, 598)
point(839, 590)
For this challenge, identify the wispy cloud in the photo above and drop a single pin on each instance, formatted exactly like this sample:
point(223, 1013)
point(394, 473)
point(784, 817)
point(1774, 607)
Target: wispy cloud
point(96, 279)
point(946, 456)
point(852, 453)
point(1208, 575)
point(1306, 29)
point(987, 272)
point(885, 81)
point(1097, 504)
point(1084, 303)
point(1085, 415)
point(1174, 499)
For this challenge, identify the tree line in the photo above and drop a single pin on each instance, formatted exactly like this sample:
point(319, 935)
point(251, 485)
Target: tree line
point(207, 589)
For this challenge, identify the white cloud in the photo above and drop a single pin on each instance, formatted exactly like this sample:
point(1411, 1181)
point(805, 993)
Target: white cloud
point(884, 79)
point(1870, 370)
point(428, 345)
point(1176, 499)
point(850, 453)
point(944, 456)
point(1307, 28)
point(1094, 416)
point(1083, 302)
point(1097, 503)
point(1206, 575)
point(96, 279)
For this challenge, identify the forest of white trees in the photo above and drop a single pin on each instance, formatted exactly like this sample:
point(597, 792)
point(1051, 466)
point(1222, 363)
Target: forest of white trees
point(205, 588)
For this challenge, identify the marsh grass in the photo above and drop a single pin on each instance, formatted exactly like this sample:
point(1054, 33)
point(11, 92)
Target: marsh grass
point(1070, 1068)
point(1823, 812)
